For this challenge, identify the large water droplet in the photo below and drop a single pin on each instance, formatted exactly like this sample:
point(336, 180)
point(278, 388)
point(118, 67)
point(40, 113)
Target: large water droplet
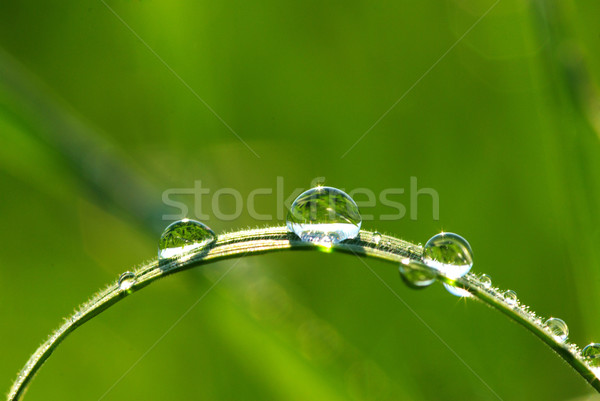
point(485, 280)
point(449, 253)
point(126, 280)
point(558, 328)
point(416, 274)
point(591, 353)
point(457, 291)
point(183, 237)
point(324, 216)
point(510, 297)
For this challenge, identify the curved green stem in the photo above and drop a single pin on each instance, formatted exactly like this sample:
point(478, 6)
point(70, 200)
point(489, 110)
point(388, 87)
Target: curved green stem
point(272, 239)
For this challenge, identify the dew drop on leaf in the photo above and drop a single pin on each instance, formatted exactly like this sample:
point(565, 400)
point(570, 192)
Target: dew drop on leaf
point(448, 253)
point(126, 280)
point(377, 237)
point(558, 328)
point(324, 216)
point(485, 280)
point(591, 353)
point(183, 237)
point(415, 274)
point(457, 291)
point(510, 297)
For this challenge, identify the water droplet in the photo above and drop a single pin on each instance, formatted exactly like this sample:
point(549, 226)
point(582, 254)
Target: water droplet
point(457, 291)
point(510, 297)
point(324, 216)
point(449, 253)
point(558, 328)
point(591, 353)
point(183, 237)
point(485, 280)
point(377, 237)
point(416, 274)
point(126, 280)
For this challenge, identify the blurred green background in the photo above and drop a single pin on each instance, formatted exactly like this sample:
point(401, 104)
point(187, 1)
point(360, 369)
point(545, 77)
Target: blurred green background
point(94, 127)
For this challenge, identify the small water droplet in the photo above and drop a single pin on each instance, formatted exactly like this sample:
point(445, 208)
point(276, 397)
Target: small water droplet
point(449, 253)
point(510, 297)
point(591, 353)
point(182, 237)
point(558, 328)
point(377, 237)
point(324, 216)
point(457, 291)
point(126, 280)
point(485, 280)
point(416, 274)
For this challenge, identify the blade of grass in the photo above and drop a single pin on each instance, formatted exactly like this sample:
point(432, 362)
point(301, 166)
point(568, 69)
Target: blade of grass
point(273, 239)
